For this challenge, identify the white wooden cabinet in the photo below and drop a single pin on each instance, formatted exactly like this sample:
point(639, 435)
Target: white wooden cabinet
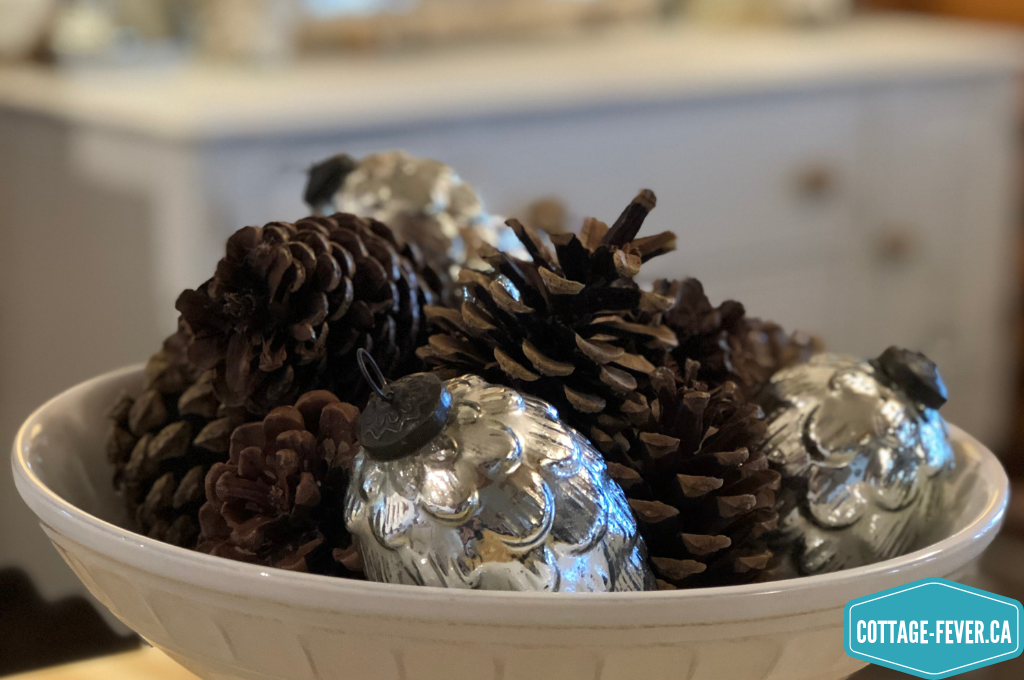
point(858, 183)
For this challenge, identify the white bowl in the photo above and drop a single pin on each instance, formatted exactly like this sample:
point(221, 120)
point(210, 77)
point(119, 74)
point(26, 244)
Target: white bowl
point(224, 619)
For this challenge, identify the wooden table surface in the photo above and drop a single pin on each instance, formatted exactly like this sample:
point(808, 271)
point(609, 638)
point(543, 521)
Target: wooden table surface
point(143, 664)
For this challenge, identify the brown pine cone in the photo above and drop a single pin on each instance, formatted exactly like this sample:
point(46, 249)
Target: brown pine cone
point(574, 329)
point(162, 443)
point(290, 304)
point(700, 486)
point(727, 343)
point(559, 327)
point(279, 499)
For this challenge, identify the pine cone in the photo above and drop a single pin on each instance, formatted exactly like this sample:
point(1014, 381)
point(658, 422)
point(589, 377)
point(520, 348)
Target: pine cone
point(279, 499)
point(290, 304)
point(559, 327)
point(708, 519)
point(162, 443)
point(701, 488)
point(728, 344)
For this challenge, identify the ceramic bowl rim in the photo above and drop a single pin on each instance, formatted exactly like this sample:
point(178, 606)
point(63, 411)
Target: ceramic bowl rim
point(709, 605)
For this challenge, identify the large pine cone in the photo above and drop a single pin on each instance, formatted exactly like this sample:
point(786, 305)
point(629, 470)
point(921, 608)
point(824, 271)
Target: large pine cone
point(573, 328)
point(279, 499)
point(699, 483)
point(162, 443)
point(290, 304)
point(559, 327)
point(727, 343)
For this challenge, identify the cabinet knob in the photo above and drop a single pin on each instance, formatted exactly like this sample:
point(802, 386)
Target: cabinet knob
point(895, 245)
point(817, 181)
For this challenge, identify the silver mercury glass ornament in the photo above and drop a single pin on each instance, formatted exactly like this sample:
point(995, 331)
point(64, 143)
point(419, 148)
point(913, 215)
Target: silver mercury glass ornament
point(422, 199)
point(864, 455)
point(464, 484)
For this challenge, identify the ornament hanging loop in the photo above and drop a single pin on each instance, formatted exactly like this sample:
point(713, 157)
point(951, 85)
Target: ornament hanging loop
point(374, 376)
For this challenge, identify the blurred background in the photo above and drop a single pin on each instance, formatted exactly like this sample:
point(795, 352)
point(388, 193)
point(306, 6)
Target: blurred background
point(846, 168)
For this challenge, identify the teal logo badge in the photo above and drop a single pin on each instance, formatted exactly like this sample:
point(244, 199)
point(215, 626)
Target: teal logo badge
point(933, 628)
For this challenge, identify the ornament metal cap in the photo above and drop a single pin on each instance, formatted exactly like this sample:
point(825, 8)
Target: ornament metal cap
point(326, 177)
point(403, 415)
point(915, 373)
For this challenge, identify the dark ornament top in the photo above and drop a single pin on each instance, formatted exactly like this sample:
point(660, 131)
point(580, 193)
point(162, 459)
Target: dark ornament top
point(326, 177)
point(915, 373)
point(401, 416)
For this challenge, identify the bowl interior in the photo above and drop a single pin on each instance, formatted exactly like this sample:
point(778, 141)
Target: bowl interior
point(65, 445)
point(969, 489)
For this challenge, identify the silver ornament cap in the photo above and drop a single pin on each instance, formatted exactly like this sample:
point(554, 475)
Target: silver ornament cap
point(464, 484)
point(864, 455)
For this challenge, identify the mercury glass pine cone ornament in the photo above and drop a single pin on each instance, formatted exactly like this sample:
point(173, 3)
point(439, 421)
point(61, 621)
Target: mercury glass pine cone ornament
point(864, 455)
point(699, 484)
point(279, 498)
point(422, 199)
point(290, 304)
point(464, 484)
point(559, 327)
point(727, 343)
point(162, 443)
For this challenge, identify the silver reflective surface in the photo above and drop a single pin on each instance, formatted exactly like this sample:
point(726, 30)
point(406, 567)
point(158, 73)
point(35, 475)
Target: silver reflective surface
point(864, 466)
point(426, 202)
point(506, 497)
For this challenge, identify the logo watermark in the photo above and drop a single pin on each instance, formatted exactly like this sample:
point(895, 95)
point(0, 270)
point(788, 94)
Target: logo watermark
point(933, 628)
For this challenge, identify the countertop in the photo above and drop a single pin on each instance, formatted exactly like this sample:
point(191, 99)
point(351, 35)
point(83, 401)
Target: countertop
point(146, 663)
point(613, 67)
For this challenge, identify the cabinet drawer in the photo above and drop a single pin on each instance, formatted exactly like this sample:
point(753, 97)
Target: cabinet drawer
point(912, 209)
point(735, 170)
